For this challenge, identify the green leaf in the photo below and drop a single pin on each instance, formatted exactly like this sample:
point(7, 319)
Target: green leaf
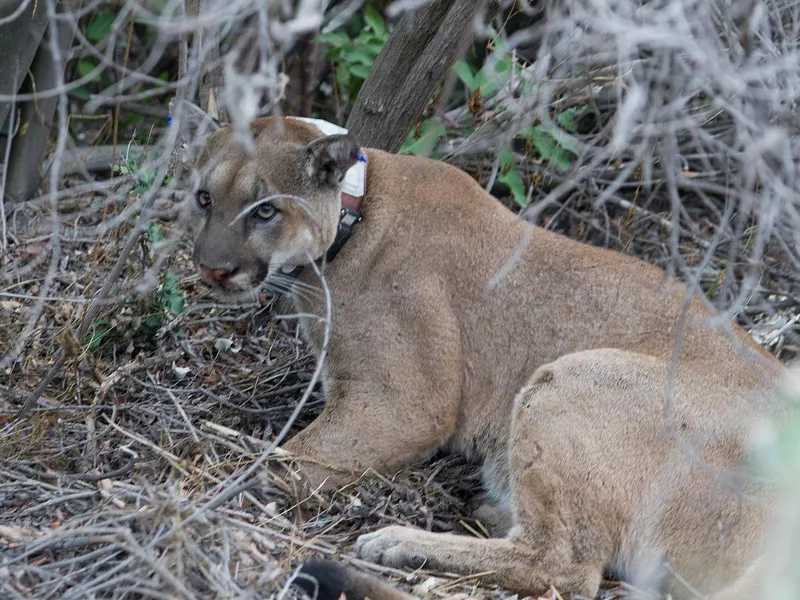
point(431, 131)
point(85, 68)
point(562, 160)
point(510, 176)
point(176, 304)
point(545, 145)
point(171, 281)
point(360, 71)
point(561, 138)
point(79, 92)
point(100, 26)
point(358, 54)
point(375, 21)
point(335, 39)
point(550, 145)
point(567, 118)
point(466, 75)
point(376, 42)
point(147, 176)
point(502, 66)
point(96, 335)
point(490, 81)
point(155, 233)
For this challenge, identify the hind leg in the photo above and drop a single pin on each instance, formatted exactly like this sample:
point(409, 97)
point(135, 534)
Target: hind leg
point(552, 541)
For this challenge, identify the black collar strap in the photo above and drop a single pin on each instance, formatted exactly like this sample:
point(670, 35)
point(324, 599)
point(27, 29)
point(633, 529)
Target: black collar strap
point(347, 219)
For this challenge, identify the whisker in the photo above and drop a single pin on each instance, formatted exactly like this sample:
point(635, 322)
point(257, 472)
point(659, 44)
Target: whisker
point(304, 285)
point(297, 286)
point(279, 288)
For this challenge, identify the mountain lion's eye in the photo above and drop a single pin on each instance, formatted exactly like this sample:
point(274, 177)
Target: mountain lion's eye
point(265, 212)
point(203, 199)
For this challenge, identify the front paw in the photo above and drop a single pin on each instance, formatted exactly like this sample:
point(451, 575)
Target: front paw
point(392, 546)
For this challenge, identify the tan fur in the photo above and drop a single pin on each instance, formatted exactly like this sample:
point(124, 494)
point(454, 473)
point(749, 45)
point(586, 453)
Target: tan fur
point(611, 453)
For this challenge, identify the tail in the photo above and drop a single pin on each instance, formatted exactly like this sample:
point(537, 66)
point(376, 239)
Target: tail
point(327, 580)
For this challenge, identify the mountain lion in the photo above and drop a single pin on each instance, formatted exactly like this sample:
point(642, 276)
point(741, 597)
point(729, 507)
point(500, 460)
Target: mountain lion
point(608, 407)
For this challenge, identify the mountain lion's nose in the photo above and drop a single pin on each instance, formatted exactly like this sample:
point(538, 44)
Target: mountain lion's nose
point(218, 276)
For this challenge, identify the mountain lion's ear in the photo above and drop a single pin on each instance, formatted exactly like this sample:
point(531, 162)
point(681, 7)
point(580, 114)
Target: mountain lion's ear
point(193, 123)
point(327, 159)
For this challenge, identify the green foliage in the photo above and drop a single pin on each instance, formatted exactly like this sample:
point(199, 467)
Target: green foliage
point(422, 140)
point(139, 319)
point(352, 57)
point(135, 165)
point(546, 142)
point(86, 67)
point(549, 143)
point(508, 174)
point(100, 26)
point(493, 75)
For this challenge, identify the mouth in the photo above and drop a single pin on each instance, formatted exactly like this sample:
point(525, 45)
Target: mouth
point(238, 282)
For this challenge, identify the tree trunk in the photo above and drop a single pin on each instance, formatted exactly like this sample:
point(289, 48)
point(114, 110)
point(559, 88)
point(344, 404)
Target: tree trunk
point(418, 55)
point(29, 146)
point(19, 39)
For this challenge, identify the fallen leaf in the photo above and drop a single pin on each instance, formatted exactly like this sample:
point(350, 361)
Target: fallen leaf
point(16, 533)
point(33, 250)
point(180, 372)
point(427, 585)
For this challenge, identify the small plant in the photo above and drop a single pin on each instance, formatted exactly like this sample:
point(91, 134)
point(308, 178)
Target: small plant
point(352, 57)
point(422, 139)
point(139, 319)
point(496, 72)
point(145, 175)
point(509, 175)
point(98, 30)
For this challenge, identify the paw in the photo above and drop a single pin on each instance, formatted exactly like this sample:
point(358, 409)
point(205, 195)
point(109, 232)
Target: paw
point(492, 516)
point(392, 546)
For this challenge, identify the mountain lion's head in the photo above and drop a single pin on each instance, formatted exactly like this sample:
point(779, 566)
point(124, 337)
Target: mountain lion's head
point(253, 214)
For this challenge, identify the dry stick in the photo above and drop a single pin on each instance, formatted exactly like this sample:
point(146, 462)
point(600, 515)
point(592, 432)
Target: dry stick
point(115, 138)
point(166, 576)
point(123, 470)
point(242, 482)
